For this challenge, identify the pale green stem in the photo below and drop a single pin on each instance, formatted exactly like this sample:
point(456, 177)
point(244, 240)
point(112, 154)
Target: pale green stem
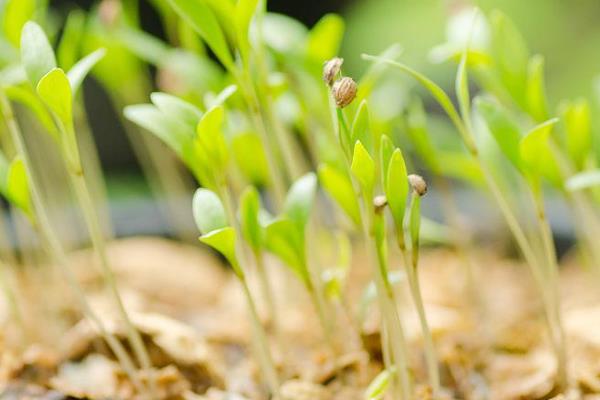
point(261, 344)
point(95, 231)
point(56, 251)
point(267, 292)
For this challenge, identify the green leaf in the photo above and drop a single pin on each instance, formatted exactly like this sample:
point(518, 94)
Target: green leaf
point(55, 90)
point(379, 385)
point(16, 14)
point(249, 218)
point(511, 56)
point(283, 34)
point(361, 131)
point(37, 55)
point(462, 88)
point(386, 150)
point(325, 38)
point(363, 168)
point(250, 157)
point(223, 240)
point(339, 187)
point(504, 130)
point(583, 180)
point(17, 186)
point(300, 199)
point(211, 140)
point(83, 67)
point(200, 16)
point(416, 121)
point(169, 130)
point(177, 108)
point(577, 118)
point(209, 213)
point(536, 155)
point(244, 11)
point(70, 41)
point(460, 166)
point(396, 188)
point(283, 239)
point(537, 104)
point(35, 105)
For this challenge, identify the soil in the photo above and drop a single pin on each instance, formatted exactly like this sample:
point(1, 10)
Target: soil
point(489, 335)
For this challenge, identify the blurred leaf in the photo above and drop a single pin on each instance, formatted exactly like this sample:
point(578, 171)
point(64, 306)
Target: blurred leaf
point(363, 168)
point(577, 119)
point(536, 89)
point(339, 187)
point(244, 11)
point(177, 108)
point(283, 239)
point(70, 41)
point(203, 20)
point(35, 105)
point(461, 166)
point(250, 157)
point(55, 90)
point(223, 240)
point(361, 131)
point(511, 56)
point(17, 186)
point(209, 213)
point(325, 38)
point(379, 386)
point(210, 139)
point(283, 34)
point(83, 67)
point(536, 155)
point(300, 199)
point(144, 45)
point(37, 55)
point(222, 97)
point(16, 14)
point(396, 188)
point(462, 88)
point(249, 220)
point(416, 121)
point(386, 150)
point(503, 129)
point(583, 180)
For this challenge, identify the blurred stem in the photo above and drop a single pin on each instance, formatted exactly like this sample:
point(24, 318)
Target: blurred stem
point(95, 231)
point(55, 249)
point(267, 291)
point(259, 336)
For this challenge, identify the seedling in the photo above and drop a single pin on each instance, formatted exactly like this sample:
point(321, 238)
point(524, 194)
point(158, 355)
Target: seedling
point(218, 233)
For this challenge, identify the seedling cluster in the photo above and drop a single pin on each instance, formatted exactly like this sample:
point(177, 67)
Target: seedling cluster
point(286, 149)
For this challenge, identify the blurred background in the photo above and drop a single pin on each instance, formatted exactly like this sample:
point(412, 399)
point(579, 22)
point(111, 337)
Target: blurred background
point(567, 33)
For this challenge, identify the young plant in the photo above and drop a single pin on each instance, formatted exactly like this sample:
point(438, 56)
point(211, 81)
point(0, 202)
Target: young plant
point(56, 89)
point(286, 238)
point(217, 232)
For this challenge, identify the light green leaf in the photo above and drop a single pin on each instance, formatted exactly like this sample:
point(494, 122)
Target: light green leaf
point(363, 168)
point(200, 16)
point(504, 130)
point(209, 213)
point(396, 188)
point(177, 108)
point(249, 218)
point(325, 38)
point(379, 385)
point(583, 180)
point(250, 157)
point(339, 187)
point(83, 67)
point(211, 140)
point(282, 33)
point(461, 166)
point(35, 105)
point(143, 45)
point(300, 199)
point(55, 90)
point(17, 186)
point(511, 56)
point(222, 97)
point(386, 150)
point(223, 241)
point(37, 55)
point(70, 41)
point(535, 152)
point(244, 11)
point(577, 118)
point(16, 14)
point(462, 88)
point(416, 121)
point(361, 130)
point(283, 239)
point(537, 104)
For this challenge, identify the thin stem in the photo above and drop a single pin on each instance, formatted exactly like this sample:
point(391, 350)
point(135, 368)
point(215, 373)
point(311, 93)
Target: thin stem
point(95, 231)
point(267, 292)
point(259, 335)
point(55, 249)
